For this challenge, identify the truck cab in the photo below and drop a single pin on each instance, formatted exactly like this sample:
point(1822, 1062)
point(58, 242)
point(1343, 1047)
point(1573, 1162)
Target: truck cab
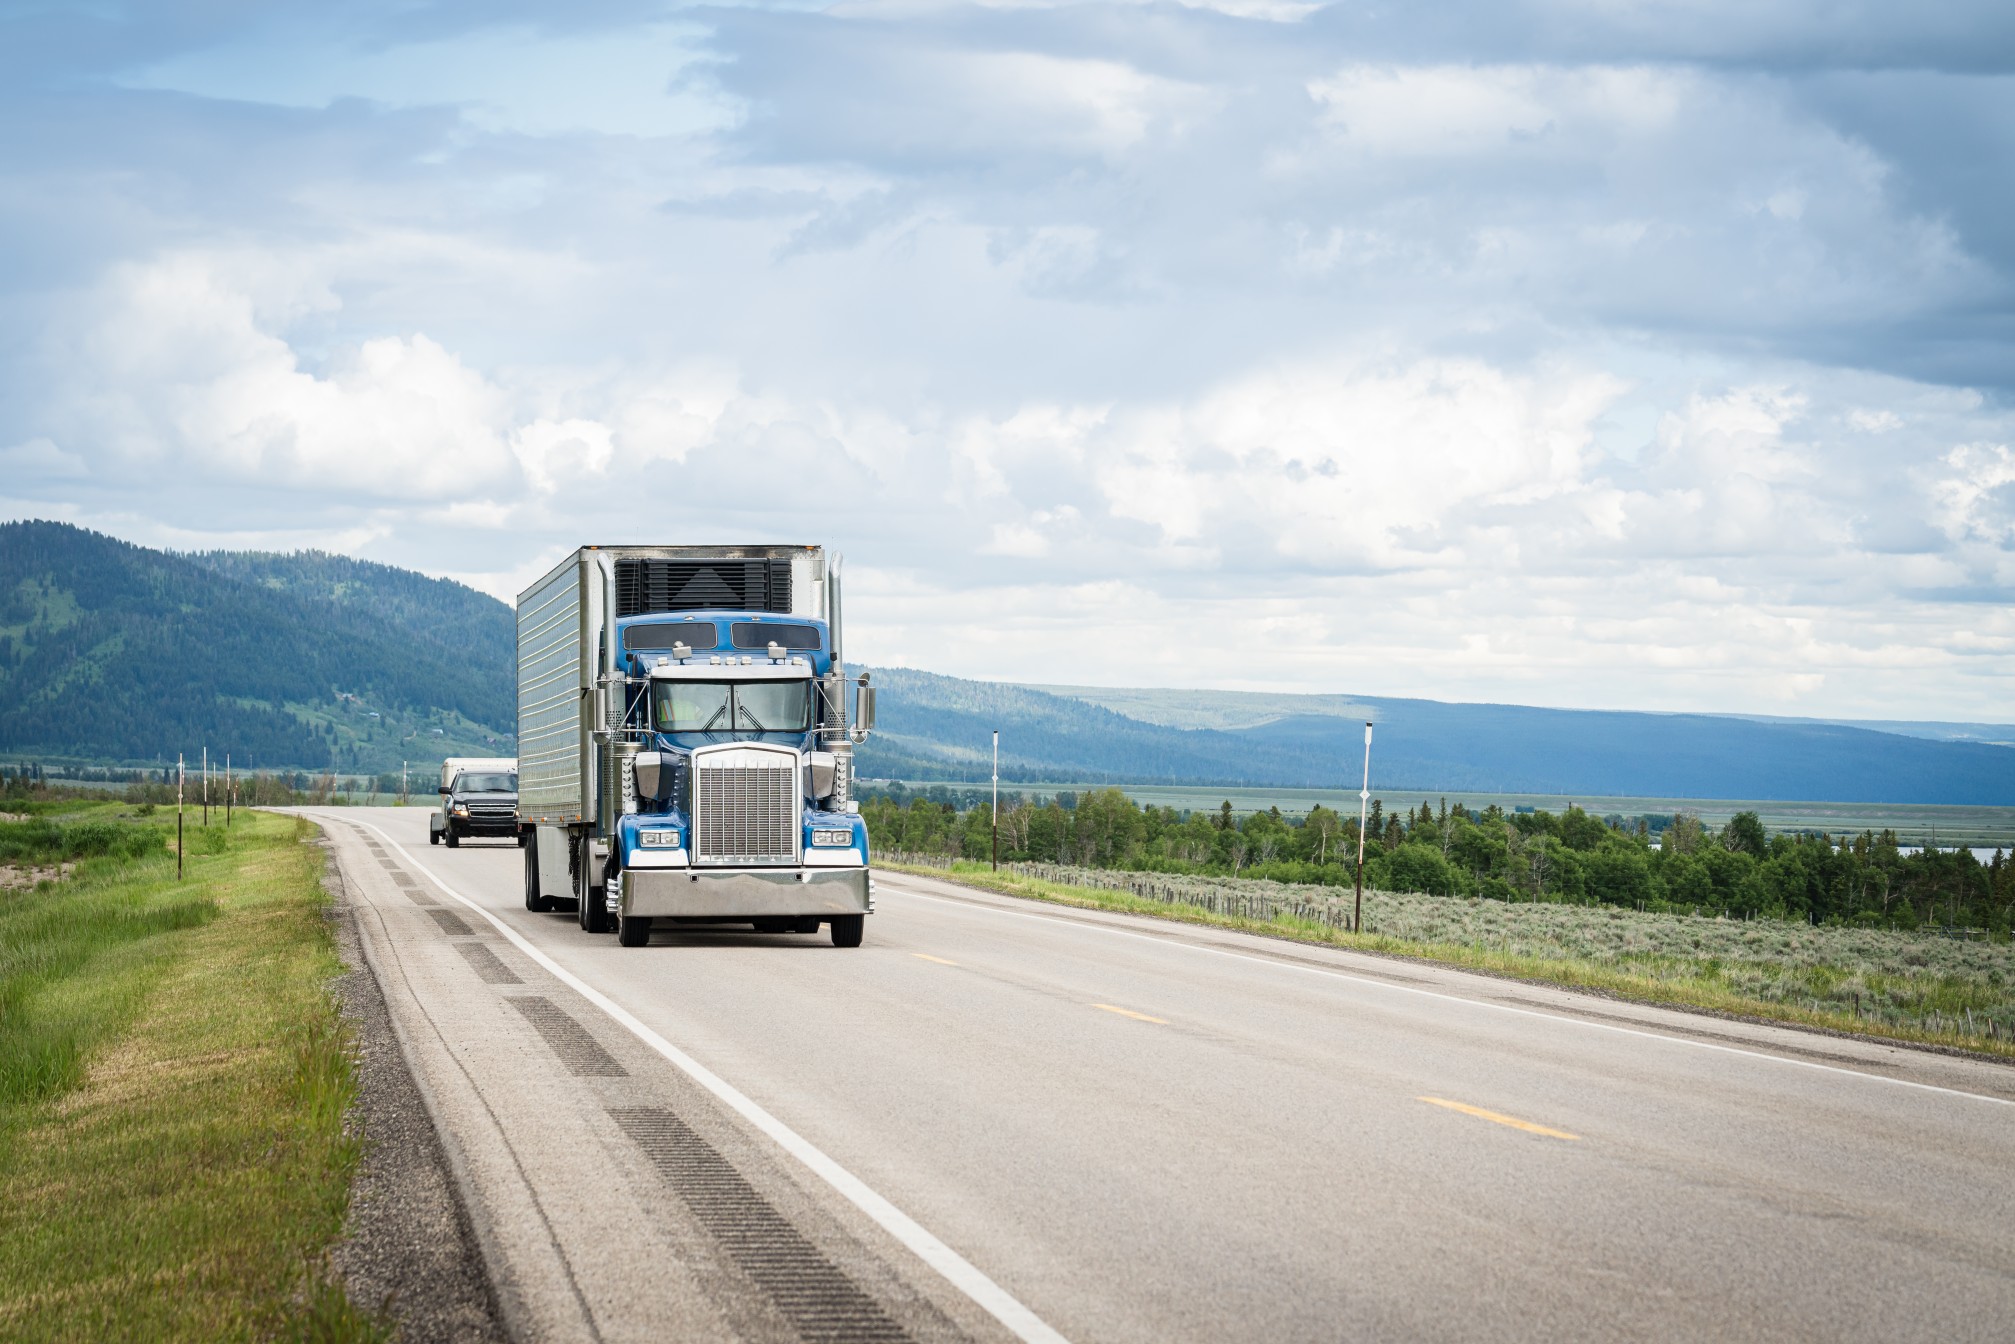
point(729, 778)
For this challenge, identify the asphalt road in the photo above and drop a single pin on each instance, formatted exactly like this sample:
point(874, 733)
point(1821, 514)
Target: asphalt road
point(1127, 1130)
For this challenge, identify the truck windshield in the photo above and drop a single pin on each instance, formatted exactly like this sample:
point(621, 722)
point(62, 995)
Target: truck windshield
point(724, 707)
point(472, 783)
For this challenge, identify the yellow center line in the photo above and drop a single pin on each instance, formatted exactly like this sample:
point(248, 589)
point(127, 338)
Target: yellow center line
point(1496, 1119)
point(1128, 1012)
point(928, 957)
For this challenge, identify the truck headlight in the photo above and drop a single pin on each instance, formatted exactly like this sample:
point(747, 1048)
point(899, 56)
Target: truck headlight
point(832, 839)
point(658, 839)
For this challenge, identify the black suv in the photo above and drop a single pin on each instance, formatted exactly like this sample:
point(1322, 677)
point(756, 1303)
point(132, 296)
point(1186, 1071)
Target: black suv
point(479, 802)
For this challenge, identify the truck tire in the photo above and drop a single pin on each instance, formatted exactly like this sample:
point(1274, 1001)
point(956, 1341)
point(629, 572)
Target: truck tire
point(848, 929)
point(633, 930)
point(534, 898)
point(524, 837)
point(454, 837)
point(594, 916)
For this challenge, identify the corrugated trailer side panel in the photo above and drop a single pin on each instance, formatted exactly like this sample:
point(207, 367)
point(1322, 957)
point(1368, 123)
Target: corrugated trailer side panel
point(552, 704)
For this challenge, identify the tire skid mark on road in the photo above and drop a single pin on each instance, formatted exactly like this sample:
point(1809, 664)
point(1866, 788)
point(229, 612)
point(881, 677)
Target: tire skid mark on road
point(487, 964)
point(576, 1046)
point(451, 923)
point(818, 1299)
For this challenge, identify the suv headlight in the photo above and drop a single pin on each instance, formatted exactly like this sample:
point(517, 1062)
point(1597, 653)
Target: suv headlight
point(461, 809)
point(659, 839)
point(832, 839)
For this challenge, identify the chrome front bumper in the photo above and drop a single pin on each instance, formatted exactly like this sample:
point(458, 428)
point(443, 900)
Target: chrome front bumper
point(743, 893)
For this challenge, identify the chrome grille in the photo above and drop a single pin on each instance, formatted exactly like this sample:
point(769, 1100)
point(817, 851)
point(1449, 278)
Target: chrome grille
point(746, 807)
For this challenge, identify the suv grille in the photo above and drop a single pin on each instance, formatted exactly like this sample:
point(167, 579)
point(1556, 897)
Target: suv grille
point(746, 807)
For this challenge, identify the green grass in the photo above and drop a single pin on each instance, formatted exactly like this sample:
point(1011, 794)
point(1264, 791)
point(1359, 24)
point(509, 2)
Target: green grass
point(173, 1084)
point(1898, 986)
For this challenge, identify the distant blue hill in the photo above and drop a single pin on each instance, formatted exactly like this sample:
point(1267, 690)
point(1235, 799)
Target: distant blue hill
point(938, 728)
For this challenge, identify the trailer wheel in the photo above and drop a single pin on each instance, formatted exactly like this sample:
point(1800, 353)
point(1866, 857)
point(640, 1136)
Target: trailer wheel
point(534, 898)
point(847, 930)
point(433, 837)
point(633, 930)
point(454, 837)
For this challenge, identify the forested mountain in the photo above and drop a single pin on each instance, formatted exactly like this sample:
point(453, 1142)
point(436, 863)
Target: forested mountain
point(440, 614)
point(115, 653)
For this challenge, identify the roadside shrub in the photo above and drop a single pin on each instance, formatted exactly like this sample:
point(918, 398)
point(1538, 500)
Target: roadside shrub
point(40, 840)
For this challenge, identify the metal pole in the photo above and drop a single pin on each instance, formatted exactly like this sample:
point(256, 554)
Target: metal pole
point(230, 790)
point(1363, 803)
point(402, 783)
point(178, 816)
point(206, 786)
point(997, 800)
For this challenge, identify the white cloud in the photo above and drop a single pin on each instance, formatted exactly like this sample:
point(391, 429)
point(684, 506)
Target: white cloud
point(1467, 110)
point(1559, 361)
point(509, 78)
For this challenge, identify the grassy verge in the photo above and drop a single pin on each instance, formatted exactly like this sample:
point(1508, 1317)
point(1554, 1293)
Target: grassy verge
point(1622, 954)
point(173, 1084)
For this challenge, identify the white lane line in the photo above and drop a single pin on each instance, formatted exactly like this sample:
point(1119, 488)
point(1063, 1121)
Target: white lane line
point(1162, 940)
point(961, 1273)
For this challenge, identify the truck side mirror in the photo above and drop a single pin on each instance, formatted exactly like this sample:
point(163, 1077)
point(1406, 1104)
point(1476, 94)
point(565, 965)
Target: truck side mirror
point(864, 713)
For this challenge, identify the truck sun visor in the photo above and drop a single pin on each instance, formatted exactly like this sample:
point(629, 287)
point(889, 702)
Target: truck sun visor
point(698, 636)
point(761, 634)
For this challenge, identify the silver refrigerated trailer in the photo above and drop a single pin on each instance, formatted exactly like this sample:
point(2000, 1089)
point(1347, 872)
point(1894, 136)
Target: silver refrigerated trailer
point(686, 727)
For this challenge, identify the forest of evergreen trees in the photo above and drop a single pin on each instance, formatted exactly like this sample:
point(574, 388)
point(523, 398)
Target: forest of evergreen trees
point(1671, 864)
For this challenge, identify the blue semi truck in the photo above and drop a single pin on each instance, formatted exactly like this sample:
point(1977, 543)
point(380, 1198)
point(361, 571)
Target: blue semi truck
point(686, 728)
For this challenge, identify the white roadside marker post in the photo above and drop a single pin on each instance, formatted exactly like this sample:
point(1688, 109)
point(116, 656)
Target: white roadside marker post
point(1363, 804)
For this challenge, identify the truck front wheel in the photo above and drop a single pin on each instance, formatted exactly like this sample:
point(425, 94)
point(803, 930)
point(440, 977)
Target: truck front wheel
point(454, 837)
point(633, 930)
point(847, 930)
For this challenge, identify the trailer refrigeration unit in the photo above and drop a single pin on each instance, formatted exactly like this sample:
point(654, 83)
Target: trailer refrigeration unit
point(685, 742)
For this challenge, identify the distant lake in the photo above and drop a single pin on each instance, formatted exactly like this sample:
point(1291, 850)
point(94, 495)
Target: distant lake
point(1980, 853)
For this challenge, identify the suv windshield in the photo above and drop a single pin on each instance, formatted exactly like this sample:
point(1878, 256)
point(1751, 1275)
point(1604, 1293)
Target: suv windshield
point(471, 783)
point(726, 707)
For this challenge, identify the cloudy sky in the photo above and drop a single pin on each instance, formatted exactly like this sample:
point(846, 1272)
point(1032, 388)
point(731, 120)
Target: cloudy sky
point(1572, 352)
